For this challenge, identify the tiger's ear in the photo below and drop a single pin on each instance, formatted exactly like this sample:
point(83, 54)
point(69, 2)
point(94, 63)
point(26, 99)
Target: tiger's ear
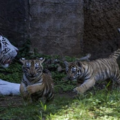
point(79, 64)
point(66, 65)
point(42, 60)
point(86, 58)
point(22, 60)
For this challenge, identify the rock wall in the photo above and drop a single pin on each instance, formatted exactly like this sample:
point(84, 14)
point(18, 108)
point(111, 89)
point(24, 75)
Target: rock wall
point(12, 20)
point(101, 23)
point(56, 26)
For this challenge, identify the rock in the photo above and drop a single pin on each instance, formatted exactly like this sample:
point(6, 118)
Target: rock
point(101, 23)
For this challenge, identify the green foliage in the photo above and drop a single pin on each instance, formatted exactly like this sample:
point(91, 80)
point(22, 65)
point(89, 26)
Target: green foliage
point(24, 50)
point(57, 76)
point(69, 59)
point(12, 73)
point(18, 113)
point(61, 85)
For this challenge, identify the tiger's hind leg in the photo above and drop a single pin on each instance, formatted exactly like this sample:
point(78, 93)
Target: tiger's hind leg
point(85, 86)
point(49, 96)
point(117, 79)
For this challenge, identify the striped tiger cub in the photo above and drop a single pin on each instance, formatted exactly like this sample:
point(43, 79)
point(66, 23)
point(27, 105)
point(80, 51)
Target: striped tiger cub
point(35, 84)
point(93, 71)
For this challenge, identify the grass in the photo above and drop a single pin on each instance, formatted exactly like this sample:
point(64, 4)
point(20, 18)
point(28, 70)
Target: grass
point(101, 105)
point(98, 105)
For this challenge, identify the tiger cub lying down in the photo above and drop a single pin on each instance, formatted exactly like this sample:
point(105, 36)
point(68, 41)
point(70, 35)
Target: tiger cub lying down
point(35, 84)
point(93, 71)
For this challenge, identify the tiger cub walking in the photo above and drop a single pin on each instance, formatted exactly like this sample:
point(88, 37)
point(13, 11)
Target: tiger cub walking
point(35, 84)
point(93, 71)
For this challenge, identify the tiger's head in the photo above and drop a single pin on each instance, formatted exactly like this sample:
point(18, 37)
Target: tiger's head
point(7, 52)
point(32, 69)
point(73, 70)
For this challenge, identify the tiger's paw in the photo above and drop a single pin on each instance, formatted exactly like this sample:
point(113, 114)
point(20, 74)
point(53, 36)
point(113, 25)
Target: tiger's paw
point(30, 90)
point(77, 90)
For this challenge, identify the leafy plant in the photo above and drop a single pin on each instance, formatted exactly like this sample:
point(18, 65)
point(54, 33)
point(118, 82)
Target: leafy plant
point(24, 50)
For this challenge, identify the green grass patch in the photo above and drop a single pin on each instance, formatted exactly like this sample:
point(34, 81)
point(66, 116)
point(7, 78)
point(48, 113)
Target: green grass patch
point(102, 105)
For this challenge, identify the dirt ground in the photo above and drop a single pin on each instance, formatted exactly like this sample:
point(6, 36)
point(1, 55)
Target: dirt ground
point(16, 101)
point(10, 101)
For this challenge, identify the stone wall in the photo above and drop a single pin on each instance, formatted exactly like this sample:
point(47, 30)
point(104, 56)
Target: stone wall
point(12, 20)
point(56, 26)
point(101, 23)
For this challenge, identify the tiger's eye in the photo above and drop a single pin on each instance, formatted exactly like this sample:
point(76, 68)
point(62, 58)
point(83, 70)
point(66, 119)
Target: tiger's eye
point(27, 66)
point(74, 69)
point(36, 65)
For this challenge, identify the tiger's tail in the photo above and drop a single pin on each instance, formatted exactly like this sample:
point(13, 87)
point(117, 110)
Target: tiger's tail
point(115, 54)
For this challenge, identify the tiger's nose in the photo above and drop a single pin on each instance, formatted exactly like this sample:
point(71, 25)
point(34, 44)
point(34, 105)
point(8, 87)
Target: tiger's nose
point(32, 74)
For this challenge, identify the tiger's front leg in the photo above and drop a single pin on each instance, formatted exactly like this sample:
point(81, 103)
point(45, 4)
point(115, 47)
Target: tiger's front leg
point(85, 86)
point(24, 92)
point(34, 88)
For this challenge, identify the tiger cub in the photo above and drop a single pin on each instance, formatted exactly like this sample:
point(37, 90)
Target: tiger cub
point(35, 84)
point(93, 71)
